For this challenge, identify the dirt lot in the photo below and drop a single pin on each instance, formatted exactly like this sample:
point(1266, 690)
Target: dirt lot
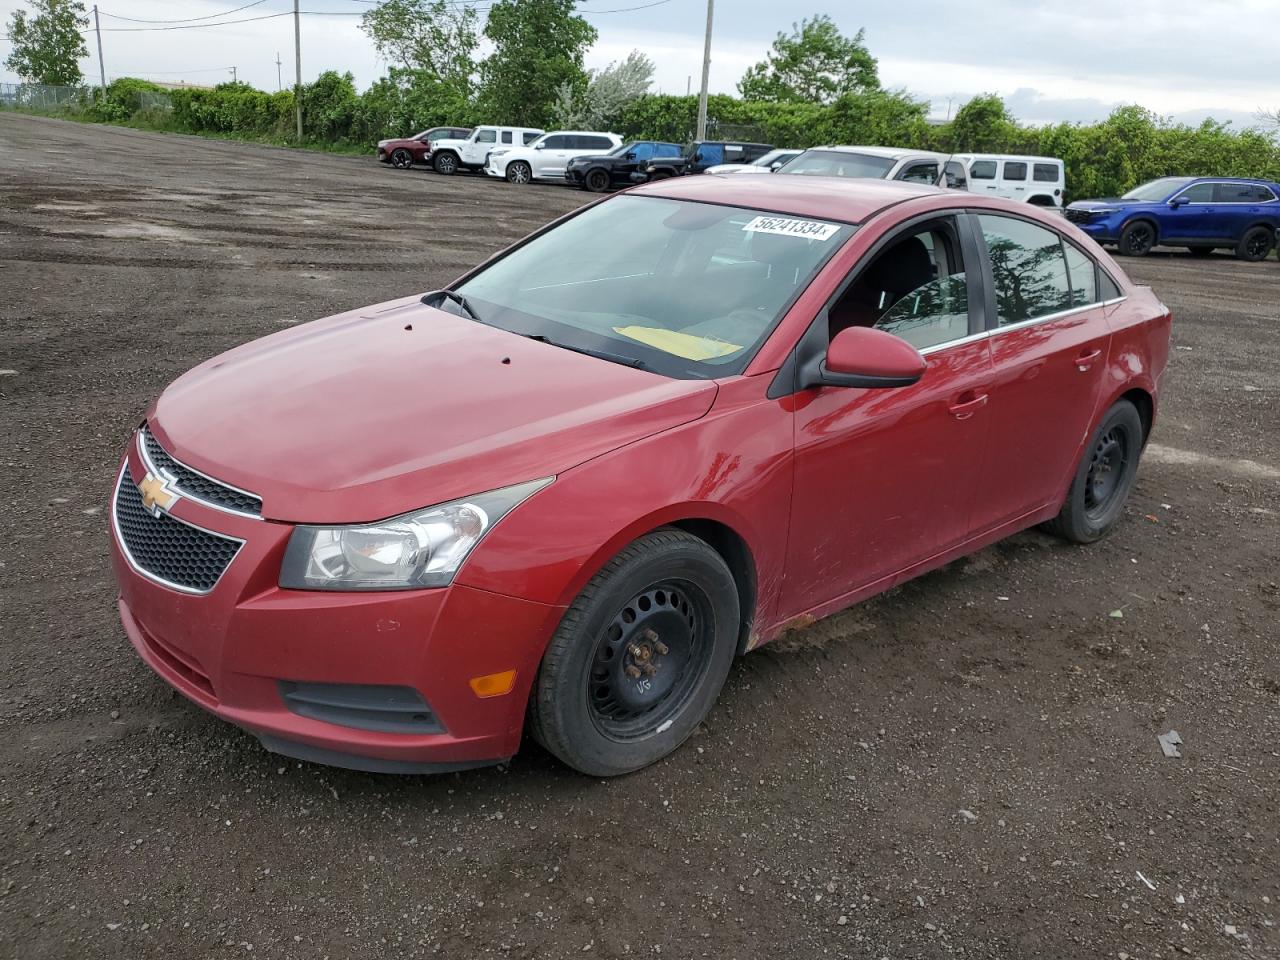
point(967, 766)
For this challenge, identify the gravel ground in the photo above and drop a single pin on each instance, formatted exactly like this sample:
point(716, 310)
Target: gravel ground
point(966, 766)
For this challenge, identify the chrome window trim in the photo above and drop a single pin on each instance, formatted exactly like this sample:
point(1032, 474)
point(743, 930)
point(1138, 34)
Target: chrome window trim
point(146, 459)
point(1047, 318)
point(137, 568)
point(1223, 203)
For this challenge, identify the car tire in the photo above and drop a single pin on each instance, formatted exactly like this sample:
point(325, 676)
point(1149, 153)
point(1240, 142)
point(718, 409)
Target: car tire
point(1201, 251)
point(1255, 245)
point(1103, 479)
point(639, 657)
point(445, 163)
point(597, 181)
point(1137, 239)
point(401, 158)
point(519, 172)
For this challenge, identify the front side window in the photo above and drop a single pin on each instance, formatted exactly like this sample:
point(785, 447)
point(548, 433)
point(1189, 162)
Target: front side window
point(838, 163)
point(920, 173)
point(1015, 170)
point(1028, 268)
point(1046, 173)
point(557, 142)
point(486, 136)
point(708, 154)
point(687, 289)
point(642, 151)
point(915, 289)
point(983, 170)
point(956, 179)
point(1198, 193)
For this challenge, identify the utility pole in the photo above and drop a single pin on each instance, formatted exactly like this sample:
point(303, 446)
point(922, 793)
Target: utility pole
point(102, 67)
point(706, 76)
point(279, 80)
point(233, 74)
point(297, 55)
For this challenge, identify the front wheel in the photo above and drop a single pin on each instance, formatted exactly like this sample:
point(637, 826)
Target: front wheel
point(1137, 239)
point(401, 159)
point(519, 172)
point(445, 163)
point(1103, 479)
point(1255, 244)
point(597, 181)
point(639, 657)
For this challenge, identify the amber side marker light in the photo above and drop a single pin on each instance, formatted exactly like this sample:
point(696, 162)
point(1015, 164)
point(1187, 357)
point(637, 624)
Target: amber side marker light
point(494, 684)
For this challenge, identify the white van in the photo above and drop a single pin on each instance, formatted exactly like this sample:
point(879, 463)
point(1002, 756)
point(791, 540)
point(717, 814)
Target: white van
point(1037, 180)
point(450, 156)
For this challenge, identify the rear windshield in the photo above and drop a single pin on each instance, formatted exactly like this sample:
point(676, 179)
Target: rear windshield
point(685, 289)
point(838, 163)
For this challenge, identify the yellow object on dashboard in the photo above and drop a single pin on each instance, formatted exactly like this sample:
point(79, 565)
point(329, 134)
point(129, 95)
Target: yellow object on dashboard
point(687, 345)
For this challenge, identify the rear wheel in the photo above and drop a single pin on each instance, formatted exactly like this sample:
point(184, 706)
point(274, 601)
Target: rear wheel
point(597, 181)
point(1255, 244)
point(401, 158)
point(445, 163)
point(1103, 479)
point(639, 657)
point(519, 172)
point(1137, 239)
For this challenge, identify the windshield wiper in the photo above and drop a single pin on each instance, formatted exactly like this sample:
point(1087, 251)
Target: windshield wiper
point(440, 295)
point(598, 354)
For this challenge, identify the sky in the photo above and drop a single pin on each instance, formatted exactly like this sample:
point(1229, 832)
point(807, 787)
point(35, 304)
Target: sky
point(1051, 61)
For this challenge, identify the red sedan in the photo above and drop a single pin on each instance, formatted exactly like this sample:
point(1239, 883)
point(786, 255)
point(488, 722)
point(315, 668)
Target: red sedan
point(567, 490)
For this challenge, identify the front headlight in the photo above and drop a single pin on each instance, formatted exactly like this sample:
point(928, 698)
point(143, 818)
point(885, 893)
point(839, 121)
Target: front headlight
point(420, 549)
point(497, 153)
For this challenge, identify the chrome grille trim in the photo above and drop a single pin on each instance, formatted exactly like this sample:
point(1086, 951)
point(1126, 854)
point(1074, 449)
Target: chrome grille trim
point(236, 501)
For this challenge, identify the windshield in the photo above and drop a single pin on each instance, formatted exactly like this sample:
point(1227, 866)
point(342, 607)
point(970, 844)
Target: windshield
point(768, 158)
point(838, 163)
point(685, 289)
point(1157, 189)
point(619, 151)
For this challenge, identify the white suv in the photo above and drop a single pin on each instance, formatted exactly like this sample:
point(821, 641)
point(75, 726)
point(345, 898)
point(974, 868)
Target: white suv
point(450, 156)
point(878, 163)
point(1036, 180)
point(548, 156)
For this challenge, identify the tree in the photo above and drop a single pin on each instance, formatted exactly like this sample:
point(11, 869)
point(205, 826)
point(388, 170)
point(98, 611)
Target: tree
point(538, 47)
point(608, 92)
point(47, 47)
point(433, 37)
point(982, 125)
point(816, 62)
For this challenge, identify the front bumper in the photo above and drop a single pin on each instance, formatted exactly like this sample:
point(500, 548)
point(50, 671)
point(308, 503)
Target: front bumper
point(230, 649)
point(573, 176)
point(1101, 230)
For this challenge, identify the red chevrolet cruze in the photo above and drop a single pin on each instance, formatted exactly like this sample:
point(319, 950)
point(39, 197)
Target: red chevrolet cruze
point(568, 489)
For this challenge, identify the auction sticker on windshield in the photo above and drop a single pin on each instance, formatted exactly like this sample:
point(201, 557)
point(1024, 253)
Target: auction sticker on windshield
point(804, 229)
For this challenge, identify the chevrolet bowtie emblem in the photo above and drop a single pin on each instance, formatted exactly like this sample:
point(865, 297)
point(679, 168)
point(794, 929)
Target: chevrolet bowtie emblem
point(156, 495)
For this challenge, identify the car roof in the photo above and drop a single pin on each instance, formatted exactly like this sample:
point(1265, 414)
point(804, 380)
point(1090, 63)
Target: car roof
point(583, 133)
point(891, 153)
point(823, 198)
point(1007, 156)
point(1190, 180)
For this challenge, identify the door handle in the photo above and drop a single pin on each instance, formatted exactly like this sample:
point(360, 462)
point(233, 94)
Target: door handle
point(967, 405)
point(1085, 360)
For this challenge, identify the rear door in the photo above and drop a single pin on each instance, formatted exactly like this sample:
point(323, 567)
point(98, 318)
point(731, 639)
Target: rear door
point(1238, 206)
point(1049, 341)
point(982, 177)
point(1013, 179)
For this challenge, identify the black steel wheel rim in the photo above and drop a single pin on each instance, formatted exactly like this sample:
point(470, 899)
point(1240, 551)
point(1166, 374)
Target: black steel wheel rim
point(1258, 246)
point(650, 660)
point(598, 180)
point(1109, 464)
point(1140, 239)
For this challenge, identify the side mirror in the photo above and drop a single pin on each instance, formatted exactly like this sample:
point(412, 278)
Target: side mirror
point(1180, 201)
point(631, 155)
point(539, 146)
point(870, 358)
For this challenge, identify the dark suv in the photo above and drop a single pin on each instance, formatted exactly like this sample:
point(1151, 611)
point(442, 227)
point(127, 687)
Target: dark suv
point(620, 167)
point(1199, 213)
point(706, 153)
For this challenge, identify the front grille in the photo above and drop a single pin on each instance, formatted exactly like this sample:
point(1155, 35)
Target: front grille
point(167, 549)
point(1079, 216)
point(193, 484)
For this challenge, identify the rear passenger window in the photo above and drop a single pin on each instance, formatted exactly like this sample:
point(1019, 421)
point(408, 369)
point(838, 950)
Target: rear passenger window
point(1084, 277)
point(1107, 288)
point(506, 136)
point(595, 143)
point(1241, 193)
point(667, 150)
point(983, 170)
point(1015, 170)
point(1028, 267)
point(1045, 173)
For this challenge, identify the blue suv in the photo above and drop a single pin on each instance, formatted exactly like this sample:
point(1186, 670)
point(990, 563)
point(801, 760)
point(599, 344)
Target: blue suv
point(1199, 213)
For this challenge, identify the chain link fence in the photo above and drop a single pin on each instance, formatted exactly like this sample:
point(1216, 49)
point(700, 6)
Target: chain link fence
point(43, 98)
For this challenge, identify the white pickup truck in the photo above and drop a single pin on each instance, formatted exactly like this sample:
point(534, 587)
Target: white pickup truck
point(450, 156)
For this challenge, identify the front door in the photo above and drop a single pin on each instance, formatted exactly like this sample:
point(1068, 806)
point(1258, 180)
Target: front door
point(885, 478)
point(1049, 355)
point(1193, 217)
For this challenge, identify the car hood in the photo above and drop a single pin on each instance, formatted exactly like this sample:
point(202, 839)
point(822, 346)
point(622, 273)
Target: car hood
point(1105, 203)
point(592, 157)
point(384, 410)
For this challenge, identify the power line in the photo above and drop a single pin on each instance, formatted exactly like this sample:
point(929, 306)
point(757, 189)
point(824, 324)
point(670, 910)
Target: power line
point(643, 6)
point(195, 26)
point(210, 16)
